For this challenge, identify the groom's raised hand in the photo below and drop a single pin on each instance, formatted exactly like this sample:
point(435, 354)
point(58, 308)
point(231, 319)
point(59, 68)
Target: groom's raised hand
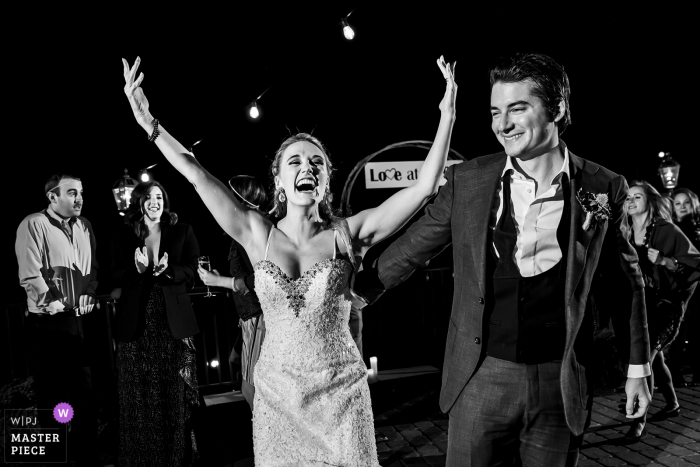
point(638, 397)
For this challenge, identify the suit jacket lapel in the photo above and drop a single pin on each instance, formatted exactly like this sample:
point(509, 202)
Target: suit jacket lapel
point(164, 240)
point(481, 194)
point(579, 239)
point(482, 189)
point(163, 244)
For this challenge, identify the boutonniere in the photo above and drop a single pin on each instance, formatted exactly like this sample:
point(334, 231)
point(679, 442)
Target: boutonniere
point(595, 206)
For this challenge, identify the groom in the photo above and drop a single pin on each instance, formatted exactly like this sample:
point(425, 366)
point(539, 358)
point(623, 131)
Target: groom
point(519, 346)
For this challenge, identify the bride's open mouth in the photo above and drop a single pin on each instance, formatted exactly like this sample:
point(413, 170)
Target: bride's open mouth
point(307, 185)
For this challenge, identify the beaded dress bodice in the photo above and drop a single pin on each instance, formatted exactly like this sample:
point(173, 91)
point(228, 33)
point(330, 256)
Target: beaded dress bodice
point(312, 404)
point(311, 309)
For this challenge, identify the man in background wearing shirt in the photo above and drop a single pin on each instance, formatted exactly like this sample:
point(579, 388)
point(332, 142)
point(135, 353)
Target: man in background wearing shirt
point(58, 270)
point(527, 257)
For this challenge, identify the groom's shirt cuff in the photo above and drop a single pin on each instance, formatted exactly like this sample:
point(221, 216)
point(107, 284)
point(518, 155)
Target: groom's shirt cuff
point(639, 371)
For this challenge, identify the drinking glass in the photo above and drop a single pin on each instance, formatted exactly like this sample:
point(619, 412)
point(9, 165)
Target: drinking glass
point(205, 264)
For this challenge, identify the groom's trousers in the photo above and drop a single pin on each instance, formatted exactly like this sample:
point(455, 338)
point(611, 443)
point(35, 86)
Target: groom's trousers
point(511, 411)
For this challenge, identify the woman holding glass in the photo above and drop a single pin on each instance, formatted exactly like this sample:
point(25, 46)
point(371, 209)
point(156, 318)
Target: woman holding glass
point(154, 260)
point(251, 193)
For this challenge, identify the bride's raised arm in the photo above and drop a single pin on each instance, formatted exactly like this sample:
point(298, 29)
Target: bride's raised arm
point(371, 226)
point(240, 223)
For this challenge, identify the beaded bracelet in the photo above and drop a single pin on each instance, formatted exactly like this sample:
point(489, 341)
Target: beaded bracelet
point(155, 133)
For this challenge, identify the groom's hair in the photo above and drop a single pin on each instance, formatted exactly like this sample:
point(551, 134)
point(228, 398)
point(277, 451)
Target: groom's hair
point(551, 85)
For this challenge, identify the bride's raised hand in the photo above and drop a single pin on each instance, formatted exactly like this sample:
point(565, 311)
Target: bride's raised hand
point(447, 105)
point(137, 99)
point(246, 227)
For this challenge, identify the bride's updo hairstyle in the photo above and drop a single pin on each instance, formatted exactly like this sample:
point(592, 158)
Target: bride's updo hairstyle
point(329, 215)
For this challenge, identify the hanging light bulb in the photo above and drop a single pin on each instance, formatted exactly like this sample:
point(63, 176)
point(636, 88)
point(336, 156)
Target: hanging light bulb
point(348, 31)
point(254, 112)
point(145, 175)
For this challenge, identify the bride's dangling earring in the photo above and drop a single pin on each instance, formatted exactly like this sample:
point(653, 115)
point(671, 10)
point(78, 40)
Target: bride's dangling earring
point(281, 196)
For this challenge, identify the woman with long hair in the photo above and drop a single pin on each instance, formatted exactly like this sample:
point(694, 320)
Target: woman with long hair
point(666, 258)
point(250, 192)
point(154, 258)
point(686, 215)
point(312, 403)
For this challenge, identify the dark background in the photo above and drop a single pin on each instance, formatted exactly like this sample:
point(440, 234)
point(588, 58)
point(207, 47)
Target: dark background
point(633, 93)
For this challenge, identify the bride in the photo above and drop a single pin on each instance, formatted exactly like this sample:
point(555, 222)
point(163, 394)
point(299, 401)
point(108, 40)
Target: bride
point(312, 403)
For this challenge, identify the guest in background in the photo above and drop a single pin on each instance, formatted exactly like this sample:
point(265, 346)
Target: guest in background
point(154, 261)
point(58, 270)
point(686, 215)
point(667, 260)
point(251, 193)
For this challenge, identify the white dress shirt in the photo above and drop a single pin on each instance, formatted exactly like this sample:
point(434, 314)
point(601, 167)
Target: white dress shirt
point(55, 263)
point(536, 220)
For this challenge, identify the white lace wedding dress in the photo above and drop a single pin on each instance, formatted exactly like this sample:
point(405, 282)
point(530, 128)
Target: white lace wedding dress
point(312, 402)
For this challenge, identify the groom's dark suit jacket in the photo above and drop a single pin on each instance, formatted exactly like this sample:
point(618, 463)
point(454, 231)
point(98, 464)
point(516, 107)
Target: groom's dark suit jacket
point(600, 262)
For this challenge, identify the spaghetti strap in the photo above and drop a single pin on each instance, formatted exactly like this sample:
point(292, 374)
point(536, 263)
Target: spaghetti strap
point(334, 240)
point(267, 247)
point(348, 248)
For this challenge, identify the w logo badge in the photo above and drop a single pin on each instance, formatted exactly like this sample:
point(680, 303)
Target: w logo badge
point(63, 412)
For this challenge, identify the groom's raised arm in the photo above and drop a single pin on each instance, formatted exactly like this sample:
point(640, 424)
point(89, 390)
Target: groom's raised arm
point(423, 240)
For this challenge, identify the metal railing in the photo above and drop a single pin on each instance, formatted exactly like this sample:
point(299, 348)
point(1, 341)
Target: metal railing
point(216, 316)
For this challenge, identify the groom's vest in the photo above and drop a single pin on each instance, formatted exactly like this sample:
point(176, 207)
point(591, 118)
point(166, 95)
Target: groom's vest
point(526, 323)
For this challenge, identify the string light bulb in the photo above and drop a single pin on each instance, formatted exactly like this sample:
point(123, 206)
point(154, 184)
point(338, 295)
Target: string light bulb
point(254, 112)
point(145, 175)
point(348, 31)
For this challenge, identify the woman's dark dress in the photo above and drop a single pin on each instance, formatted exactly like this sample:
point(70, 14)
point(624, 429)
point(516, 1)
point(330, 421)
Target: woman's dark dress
point(157, 383)
point(157, 389)
point(666, 292)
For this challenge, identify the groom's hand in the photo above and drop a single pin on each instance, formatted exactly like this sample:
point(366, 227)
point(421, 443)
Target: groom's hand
point(638, 397)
